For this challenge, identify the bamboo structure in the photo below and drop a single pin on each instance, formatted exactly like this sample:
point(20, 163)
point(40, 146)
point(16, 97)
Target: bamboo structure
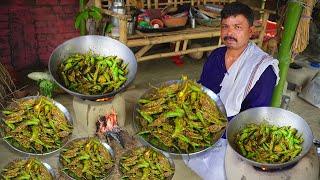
point(290, 25)
point(181, 37)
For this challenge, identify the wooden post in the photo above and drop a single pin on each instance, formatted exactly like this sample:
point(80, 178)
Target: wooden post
point(123, 31)
point(149, 4)
point(156, 4)
point(264, 26)
point(185, 45)
point(177, 46)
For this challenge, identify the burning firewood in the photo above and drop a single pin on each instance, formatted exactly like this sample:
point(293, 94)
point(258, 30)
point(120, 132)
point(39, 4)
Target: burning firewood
point(107, 125)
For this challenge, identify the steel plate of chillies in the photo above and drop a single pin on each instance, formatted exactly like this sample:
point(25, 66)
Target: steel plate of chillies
point(35, 125)
point(180, 118)
point(86, 159)
point(26, 169)
point(269, 143)
point(92, 74)
point(145, 163)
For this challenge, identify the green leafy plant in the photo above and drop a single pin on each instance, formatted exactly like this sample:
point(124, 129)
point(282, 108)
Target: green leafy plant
point(85, 14)
point(45, 83)
point(47, 87)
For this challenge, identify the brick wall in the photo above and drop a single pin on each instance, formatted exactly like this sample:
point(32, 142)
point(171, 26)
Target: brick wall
point(31, 29)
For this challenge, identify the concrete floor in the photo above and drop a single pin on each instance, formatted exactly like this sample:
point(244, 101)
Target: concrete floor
point(156, 71)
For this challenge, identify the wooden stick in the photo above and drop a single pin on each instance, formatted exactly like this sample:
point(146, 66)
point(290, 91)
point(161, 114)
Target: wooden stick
point(156, 4)
point(123, 30)
point(162, 55)
point(185, 44)
point(149, 4)
point(171, 38)
point(263, 30)
point(143, 50)
point(177, 46)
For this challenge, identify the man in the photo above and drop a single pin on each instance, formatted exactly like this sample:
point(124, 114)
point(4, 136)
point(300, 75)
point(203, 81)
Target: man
point(240, 73)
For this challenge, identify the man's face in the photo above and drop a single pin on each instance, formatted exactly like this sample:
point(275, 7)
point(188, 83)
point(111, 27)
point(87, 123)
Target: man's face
point(236, 31)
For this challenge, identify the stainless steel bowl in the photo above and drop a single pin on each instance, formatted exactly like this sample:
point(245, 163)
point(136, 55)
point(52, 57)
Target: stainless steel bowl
point(164, 154)
point(101, 45)
point(67, 116)
point(137, 125)
point(46, 165)
point(273, 116)
point(107, 147)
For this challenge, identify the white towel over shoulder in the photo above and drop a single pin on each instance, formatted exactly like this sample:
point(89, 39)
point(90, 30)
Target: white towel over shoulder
point(243, 75)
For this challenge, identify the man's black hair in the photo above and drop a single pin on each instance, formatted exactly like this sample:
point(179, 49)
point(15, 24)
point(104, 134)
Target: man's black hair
point(237, 8)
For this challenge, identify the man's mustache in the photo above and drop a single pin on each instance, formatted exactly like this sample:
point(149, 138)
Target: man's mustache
point(229, 38)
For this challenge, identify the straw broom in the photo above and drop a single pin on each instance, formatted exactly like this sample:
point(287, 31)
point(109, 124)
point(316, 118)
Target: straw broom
point(7, 87)
point(302, 34)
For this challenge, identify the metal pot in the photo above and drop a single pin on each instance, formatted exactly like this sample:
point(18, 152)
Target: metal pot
point(101, 45)
point(273, 116)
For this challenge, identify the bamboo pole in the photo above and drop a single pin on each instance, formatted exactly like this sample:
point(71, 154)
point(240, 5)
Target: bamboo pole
point(177, 46)
point(123, 31)
point(156, 4)
point(172, 38)
point(149, 4)
point(185, 44)
point(162, 55)
point(294, 10)
point(265, 18)
point(143, 50)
